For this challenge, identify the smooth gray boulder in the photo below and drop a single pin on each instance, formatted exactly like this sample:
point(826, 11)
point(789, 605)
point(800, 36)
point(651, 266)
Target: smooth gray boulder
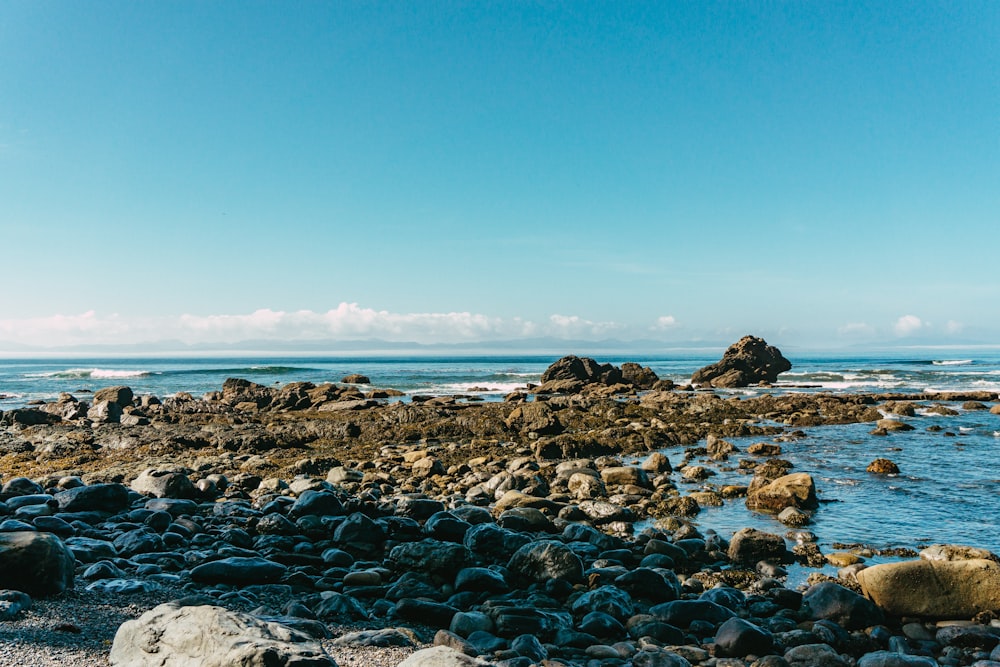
point(175, 636)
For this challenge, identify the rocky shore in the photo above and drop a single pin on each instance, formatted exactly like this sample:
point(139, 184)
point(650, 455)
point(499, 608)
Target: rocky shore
point(319, 525)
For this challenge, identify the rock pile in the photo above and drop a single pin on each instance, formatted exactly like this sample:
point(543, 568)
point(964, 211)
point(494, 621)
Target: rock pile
point(512, 578)
point(748, 361)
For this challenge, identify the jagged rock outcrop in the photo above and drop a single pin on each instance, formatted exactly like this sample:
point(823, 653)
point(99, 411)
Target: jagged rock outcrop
point(571, 374)
point(748, 361)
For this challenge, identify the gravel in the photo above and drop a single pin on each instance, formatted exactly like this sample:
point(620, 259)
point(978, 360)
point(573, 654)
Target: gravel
point(77, 628)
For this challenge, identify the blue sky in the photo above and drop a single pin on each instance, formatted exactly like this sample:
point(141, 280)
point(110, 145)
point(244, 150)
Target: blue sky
point(824, 174)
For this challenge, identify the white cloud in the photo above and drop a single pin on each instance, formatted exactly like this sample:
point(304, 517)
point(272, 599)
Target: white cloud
point(664, 322)
point(573, 326)
point(856, 329)
point(348, 321)
point(907, 325)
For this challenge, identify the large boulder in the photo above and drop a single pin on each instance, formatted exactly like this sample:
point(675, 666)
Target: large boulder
point(795, 490)
point(109, 498)
point(174, 636)
point(748, 361)
point(35, 563)
point(938, 589)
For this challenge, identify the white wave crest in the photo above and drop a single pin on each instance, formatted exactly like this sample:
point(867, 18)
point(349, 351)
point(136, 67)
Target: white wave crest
point(952, 362)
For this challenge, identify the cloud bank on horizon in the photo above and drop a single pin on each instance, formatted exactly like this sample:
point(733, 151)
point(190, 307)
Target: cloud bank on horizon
point(352, 322)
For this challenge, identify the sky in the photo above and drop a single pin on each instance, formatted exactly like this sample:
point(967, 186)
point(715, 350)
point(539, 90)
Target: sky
point(823, 174)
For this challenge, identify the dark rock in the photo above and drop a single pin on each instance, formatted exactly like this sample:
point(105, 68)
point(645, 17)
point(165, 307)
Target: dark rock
point(316, 503)
point(35, 563)
point(607, 599)
point(737, 638)
point(20, 486)
point(480, 579)
point(425, 612)
point(493, 543)
point(585, 370)
point(748, 361)
point(831, 601)
point(514, 621)
point(356, 378)
point(528, 646)
point(111, 498)
point(546, 559)
point(600, 624)
point(430, 556)
point(239, 571)
point(748, 546)
point(638, 376)
point(650, 584)
point(683, 613)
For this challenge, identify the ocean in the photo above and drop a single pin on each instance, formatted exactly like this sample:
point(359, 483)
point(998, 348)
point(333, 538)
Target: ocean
point(948, 489)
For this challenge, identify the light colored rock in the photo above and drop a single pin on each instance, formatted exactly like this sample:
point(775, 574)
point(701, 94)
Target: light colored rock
point(441, 656)
point(795, 490)
point(933, 588)
point(209, 636)
point(956, 552)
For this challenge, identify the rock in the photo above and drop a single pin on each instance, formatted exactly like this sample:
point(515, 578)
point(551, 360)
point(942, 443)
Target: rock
point(682, 613)
point(748, 361)
point(892, 659)
point(534, 417)
point(121, 396)
point(430, 556)
point(544, 560)
point(795, 490)
point(441, 656)
point(793, 516)
point(882, 467)
point(36, 563)
point(956, 552)
point(737, 638)
point(933, 588)
point(110, 498)
point(814, 655)
point(748, 546)
point(831, 601)
point(584, 370)
point(163, 484)
point(104, 412)
point(172, 636)
point(638, 376)
point(380, 638)
point(13, 603)
point(20, 486)
point(607, 599)
point(316, 503)
point(356, 378)
point(239, 571)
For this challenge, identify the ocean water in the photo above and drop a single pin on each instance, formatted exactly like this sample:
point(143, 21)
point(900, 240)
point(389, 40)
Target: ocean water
point(948, 489)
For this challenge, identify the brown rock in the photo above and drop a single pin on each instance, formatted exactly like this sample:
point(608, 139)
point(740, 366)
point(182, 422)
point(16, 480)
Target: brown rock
point(883, 467)
point(933, 589)
point(355, 378)
point(795, 490)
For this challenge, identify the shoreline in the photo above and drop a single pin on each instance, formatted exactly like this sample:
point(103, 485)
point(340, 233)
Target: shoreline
point(442, 449)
